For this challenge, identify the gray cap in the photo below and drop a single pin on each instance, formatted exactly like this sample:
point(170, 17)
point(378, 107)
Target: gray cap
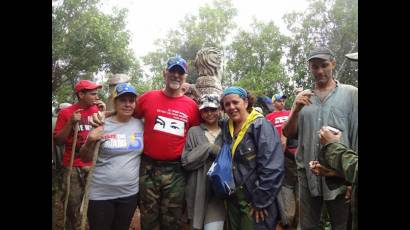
point(353, 56)
point(209, 100)
point(322, 53)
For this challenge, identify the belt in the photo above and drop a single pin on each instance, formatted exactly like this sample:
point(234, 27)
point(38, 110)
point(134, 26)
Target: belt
point(160, 162)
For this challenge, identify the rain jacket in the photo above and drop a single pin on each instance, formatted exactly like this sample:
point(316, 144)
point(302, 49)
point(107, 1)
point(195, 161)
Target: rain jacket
point(258, 162)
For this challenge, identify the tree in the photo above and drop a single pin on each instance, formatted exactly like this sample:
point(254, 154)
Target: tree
point(208, 28)
point(254, 60)
point(331, 23)
point(86, 41)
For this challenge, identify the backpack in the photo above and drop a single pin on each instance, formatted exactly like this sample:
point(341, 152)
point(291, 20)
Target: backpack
point(220, 173)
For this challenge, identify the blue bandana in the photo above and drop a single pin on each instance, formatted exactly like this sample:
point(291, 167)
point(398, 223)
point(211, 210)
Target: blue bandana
point(236, 90)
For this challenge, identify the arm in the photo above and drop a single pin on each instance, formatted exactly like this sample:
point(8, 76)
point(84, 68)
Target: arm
point(342, 159)
point(302, 99)
point(87, 150)
point(269, 168)
point(269, 164)
point(61, 135)
point(195, 154)
point(353, 130)
point(283, 140)
point(321, 168)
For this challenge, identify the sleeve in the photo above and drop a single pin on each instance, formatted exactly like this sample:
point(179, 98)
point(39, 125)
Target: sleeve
point(342, 159)
point(62, 119)
point(269, 164)
point(194, 155)
point(353, 135)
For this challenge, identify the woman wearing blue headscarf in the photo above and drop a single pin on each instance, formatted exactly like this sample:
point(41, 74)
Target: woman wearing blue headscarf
point(258, 163)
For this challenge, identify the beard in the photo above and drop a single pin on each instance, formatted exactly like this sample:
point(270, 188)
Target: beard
point(175, 85)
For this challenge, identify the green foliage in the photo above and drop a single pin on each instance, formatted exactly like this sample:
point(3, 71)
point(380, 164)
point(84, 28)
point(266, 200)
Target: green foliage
point(207, 28)
point(86, 41)
point(332, 23)
point(254, 60)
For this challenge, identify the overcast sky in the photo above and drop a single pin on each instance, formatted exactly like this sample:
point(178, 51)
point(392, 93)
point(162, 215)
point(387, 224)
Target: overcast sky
point(151, 19)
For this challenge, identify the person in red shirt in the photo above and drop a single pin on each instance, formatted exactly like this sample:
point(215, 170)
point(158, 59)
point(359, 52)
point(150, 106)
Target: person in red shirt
point(168, 115)
point(81, 112)
point(279, 115)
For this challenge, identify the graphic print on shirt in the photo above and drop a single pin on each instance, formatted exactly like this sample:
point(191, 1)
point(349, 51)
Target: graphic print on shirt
point(280, 120)
point(169, 125)
point(120, 143)
point(83, 128)
point(84, 124)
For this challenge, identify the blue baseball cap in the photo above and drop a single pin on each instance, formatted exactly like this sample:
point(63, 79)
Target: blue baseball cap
point(278, 96)
point(122, 88)
point(177, 61)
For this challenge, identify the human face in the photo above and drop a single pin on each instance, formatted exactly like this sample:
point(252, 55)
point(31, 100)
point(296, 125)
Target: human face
point(124, 105)
point(235, 107)
point(210, 115)
point(279, 104)
point(174, 78)
point(89, 97)
point(322, 70)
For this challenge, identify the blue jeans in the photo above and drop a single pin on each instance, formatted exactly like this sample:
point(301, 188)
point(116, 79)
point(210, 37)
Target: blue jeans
point(217, 225)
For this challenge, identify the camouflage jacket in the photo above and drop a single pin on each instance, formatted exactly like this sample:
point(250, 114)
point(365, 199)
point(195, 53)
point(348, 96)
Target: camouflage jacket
point(342, 159)
point(345, 161)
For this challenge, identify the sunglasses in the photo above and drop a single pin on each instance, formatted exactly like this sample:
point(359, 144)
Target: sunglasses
point(209, 109)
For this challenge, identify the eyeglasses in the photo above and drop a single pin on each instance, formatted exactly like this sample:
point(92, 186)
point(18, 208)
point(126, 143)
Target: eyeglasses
point(177, 69)
point(209, 109)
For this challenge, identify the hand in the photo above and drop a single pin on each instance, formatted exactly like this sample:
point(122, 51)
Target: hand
point(327, 136)
point(260, 214)
point(76, 117)
point(283, 140)
point(302, 99)
point(97, 119)
point(95, 134)
point(348, 195)
point(320, 170)
point(101, 105)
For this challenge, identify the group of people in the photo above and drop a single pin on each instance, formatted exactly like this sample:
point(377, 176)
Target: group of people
point(155, 150)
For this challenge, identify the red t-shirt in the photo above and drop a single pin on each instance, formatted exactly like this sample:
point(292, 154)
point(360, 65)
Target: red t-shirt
point(278, 118)
point(167, 120)
point(64, 116)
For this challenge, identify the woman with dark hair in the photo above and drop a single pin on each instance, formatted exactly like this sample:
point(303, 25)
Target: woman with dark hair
point(204, 209)
point(258, 163)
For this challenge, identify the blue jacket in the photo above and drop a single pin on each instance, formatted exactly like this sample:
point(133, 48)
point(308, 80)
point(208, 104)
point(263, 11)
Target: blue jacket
point(261, 154)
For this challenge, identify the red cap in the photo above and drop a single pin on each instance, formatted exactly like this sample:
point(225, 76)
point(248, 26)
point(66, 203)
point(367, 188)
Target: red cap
point(86, 84)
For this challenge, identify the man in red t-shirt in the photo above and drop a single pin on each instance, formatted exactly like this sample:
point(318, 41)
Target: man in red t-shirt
point(168, 115)
point(279, 115)
point(81, 112)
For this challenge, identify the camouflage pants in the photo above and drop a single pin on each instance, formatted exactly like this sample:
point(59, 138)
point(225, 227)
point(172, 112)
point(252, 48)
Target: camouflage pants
point(77, 186)
point(238, 210)
point(162, 186)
